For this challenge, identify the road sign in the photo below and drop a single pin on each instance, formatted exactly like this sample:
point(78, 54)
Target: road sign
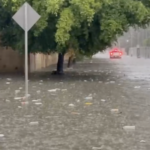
point(32, 16)
point(26, 17)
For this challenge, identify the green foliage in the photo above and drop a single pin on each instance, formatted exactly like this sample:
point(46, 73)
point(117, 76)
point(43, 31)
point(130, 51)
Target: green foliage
point(87, 26)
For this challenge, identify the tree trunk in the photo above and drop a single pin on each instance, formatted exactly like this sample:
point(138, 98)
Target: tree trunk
point(60, 64)
point(69, 62)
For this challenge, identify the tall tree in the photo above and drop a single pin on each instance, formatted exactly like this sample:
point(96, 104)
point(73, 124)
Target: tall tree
point(87, 26)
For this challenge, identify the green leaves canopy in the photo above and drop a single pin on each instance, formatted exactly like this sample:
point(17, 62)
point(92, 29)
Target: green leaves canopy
point(88, 26)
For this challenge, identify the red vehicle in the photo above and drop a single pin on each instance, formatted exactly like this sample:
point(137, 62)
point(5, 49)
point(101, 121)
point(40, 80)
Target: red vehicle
point(115, 53)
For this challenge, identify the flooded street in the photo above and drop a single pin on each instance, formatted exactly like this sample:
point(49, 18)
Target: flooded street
point(101, 104)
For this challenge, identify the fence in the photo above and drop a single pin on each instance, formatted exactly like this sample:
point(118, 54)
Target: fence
point(142, 52)
point(11, 61)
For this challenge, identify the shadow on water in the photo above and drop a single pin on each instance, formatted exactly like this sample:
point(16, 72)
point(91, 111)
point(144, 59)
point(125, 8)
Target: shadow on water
point(94, 70)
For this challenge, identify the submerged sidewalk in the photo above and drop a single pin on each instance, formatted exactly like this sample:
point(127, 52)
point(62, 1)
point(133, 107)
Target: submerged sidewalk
point(86, 109)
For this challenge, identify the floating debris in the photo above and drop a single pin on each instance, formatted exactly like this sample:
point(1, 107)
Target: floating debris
point(142, 141)
point(129, 128)
point(71, 105)
point(103, 100)
point(89, 98)
point(7, 83)
point(97, 148)
point(88, 103)
point(53, 90)
point(34, 123)
point(115, 110)
point(18, 98)
point(20, 88)
point(37, 100)
point(2, 135)
point(38, 103)
point(137, 87)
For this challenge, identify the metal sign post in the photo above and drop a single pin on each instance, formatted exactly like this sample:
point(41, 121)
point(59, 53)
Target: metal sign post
point(26, 17)
point(26, 51)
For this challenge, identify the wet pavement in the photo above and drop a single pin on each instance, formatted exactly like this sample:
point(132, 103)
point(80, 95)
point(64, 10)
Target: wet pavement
point(101, 104)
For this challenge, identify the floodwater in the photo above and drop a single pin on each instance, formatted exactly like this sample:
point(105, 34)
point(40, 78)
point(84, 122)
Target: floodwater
point(100, 104)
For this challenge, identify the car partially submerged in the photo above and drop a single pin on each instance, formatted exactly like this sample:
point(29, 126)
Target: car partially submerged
point(115, 53)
